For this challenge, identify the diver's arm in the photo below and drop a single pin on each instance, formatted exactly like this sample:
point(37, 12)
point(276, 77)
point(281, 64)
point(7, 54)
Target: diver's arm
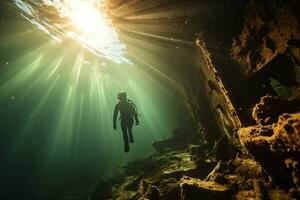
point(136, 118)
point(116, 110)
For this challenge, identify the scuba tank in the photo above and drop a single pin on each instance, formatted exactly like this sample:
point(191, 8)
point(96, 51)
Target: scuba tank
point(134, 106)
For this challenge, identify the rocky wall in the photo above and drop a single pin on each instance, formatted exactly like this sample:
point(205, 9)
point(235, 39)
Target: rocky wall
point(271, 29)
point(263, 58)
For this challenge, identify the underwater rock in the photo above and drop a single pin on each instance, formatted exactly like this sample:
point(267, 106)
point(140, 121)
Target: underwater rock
point(269, 108)
point(161, 179)
point(287, 135)
point(172, 164)
point(134, 183)
point(196, 189)
point(169, 189)
point(269, 26)
point(124, 190)
point(275, 147)
point(247, 168)
point(168, 144)
point(293, 165)
point(180, 175)
point(148, 191)
point(223, 149)
point(179, 140)
point(179, 165)
point(144, 165)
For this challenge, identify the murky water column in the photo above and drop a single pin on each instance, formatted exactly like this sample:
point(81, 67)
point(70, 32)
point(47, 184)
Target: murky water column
point(60, 73)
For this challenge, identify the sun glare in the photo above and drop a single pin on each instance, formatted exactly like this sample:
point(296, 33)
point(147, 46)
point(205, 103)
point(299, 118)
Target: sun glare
point(84, 21)
point(86, 18)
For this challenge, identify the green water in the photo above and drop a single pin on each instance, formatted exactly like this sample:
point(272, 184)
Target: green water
point(56, 106)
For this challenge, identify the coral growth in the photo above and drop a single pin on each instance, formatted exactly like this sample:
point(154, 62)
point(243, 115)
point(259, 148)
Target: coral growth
point(270, 108)
point(275, 146)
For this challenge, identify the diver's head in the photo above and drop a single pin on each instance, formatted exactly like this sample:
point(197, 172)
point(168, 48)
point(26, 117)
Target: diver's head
point(122, 96)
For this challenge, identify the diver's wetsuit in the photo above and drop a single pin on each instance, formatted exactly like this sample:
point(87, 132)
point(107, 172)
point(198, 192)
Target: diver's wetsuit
point(128, 114)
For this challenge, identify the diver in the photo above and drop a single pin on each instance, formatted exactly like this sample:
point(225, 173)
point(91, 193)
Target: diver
point(129, 113)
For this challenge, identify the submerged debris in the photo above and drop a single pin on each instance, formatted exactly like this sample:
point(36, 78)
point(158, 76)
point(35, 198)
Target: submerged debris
point(192, 188)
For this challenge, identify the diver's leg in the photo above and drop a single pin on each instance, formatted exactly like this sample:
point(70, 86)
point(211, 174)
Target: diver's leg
point(130, 124)
point(125, 136)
